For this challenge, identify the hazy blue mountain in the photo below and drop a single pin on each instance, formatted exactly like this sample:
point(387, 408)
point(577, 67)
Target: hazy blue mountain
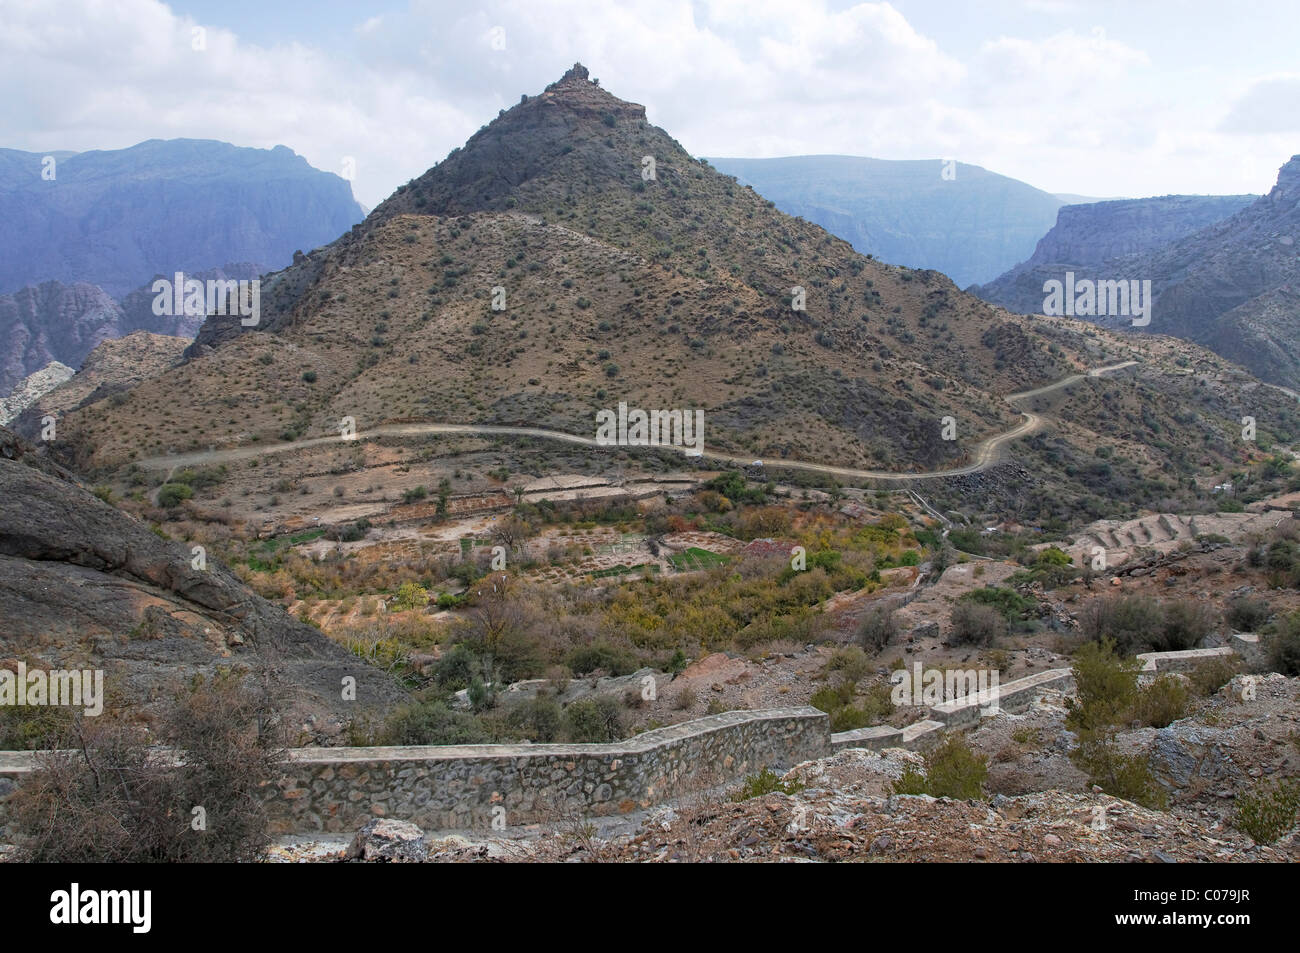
point(60, 322)
point(971, 226)
point(1085, 237)
point(116, 218)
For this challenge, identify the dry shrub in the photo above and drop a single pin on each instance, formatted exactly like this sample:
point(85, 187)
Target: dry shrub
point(193, 794)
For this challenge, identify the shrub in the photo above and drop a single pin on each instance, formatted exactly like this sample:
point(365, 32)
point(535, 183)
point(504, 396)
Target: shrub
point(596, 720)
point(1284, 649)
point(431, 722)
point(33, 727)
point(951, 770)
point(1248, 613)
point(1162, 702)
point(1123, 776)
point(615, 660)
point(537, 719)
point(1184, 625)
point(1209, 675)
point(119, 799)
point(1105, 687)
point(832, 698)
point(974, 624)
point(410, 595)
point(309, 376)
point(765, 782)
point(171, 495)
point(877, 629)
point(1013, 606)
point(850, 662)
point(1129, 621)
point(1268, 809)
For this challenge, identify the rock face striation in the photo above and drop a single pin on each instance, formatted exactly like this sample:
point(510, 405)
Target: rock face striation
point(32, 388)
point(115, 218)
point(1231, 285)
point(83, 585)
point(113, 367)
point(1086, 237)
point(58, 322)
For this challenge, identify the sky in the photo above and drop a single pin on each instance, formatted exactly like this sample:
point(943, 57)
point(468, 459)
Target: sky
point(1097, 98)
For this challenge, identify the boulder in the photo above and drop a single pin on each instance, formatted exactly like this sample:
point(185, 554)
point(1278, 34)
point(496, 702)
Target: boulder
point(389, 841)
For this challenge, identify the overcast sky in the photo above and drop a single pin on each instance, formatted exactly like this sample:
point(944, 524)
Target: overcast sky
point(1096, 98)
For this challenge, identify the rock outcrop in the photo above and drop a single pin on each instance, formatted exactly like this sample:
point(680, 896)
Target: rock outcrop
point(83, 584)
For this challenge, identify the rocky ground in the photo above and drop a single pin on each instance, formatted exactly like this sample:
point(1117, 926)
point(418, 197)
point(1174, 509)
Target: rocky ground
point(1039, 807)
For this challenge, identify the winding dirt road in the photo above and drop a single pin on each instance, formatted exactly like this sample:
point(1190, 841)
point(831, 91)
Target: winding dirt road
point(986, 452)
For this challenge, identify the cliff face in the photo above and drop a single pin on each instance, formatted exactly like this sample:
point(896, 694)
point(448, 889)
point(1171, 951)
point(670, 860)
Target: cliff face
point(65, 323)
point(1086, 237)
point(111, 368)
point(52, 322)
point(84, 585)
point(1092, 234)
point(1230, 285)
point(115, 218)
point(32, 388)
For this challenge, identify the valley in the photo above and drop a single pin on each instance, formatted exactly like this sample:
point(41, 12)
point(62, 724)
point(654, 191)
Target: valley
point(373, 572)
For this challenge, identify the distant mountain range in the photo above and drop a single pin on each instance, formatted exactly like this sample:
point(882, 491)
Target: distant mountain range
point(1224, 270)
point(84, 235)
point(60, 322)
point(960, 219)
point(116, 218)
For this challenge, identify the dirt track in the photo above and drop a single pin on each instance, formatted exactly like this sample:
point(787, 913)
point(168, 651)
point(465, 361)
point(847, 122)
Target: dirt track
point(986, 452)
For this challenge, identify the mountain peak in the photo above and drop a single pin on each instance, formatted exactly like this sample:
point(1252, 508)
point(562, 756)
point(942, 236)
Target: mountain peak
point(575, 74)
point(1288, 179)
point(576, 91)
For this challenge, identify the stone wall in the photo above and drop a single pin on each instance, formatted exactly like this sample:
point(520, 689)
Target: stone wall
point(467, 787)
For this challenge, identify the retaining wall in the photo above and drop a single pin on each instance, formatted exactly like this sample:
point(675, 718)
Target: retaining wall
point(465, 787)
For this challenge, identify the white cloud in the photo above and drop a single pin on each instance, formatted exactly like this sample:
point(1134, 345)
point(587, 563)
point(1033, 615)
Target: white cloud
point(1076, 110)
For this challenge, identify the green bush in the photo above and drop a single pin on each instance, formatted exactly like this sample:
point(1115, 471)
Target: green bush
point(432, 723)
point(537, 719)
point(1013, 606)
point(1105, 687)
point(410, 595)
point(1162, 702)
point(1184, 625)
point(1248, 613)
point(765, 782)
point(598, 719)
point(1284, 646)
point(616, 660)
point(1123, 776)
point(1129, 621)
point(1211, 674)
point(951, 770)
point(171, 495)
point(1268, 810)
